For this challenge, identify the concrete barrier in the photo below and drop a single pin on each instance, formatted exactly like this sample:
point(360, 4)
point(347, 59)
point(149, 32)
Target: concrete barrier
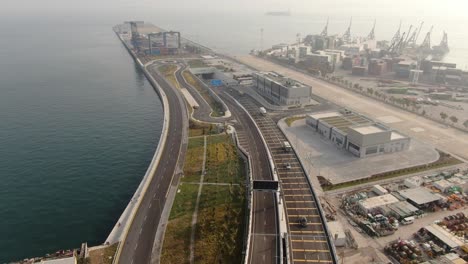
point(130, 211)
point(317, 201)
point(275, 177)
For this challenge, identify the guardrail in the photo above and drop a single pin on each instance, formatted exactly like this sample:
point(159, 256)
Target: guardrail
point(246, 156)
point(275, 177)
point(317, 202)
point(155, 161)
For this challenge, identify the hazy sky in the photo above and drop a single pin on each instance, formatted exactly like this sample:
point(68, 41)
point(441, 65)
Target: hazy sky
point(450, 8)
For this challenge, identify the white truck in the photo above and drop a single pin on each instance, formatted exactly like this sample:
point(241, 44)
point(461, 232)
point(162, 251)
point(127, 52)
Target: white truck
point(263, 111)
point(286, 146)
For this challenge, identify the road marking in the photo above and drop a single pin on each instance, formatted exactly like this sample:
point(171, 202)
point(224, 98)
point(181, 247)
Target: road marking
point(309, 241)
point(312, 261)
point(151, 204)
point(141, 230)
point(144, 219)
point(136, 245)
point(307, 232)
point(310, 250)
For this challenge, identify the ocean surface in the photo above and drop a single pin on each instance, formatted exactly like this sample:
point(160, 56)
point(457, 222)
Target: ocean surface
point(79, 122)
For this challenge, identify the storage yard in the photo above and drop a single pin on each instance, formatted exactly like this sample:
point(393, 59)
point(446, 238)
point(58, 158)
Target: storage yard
point(412, 220)
point(405, 71)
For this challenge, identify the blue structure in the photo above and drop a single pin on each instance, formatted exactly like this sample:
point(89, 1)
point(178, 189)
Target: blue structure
point(216, 82)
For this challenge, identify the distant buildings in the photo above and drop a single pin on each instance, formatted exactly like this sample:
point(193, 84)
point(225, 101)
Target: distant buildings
point(357, 134)
point(280, 89)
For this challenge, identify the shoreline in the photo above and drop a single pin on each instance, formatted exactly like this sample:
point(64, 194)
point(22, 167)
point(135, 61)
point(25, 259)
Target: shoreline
point(120, 229)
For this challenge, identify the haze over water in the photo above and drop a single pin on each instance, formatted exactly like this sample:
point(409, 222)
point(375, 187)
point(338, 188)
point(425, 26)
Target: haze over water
point(79, 122)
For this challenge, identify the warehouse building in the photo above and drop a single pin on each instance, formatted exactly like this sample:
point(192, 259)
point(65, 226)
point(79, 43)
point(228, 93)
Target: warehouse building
point(357, 134)
point(444, 237)
point(420, 197)
point(377, 202)
point(280, 89)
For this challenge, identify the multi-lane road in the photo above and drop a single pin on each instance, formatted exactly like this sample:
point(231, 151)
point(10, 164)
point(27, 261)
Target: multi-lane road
point(264, 242)
point(139, 241)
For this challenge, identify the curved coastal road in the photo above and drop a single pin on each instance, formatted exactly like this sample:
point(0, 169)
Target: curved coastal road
point(140, 238)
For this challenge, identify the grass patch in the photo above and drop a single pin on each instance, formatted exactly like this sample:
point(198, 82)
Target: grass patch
point(220, 226)
point(193, 160)
point(444, 160)
point(168, 71)
point(197, 129)
point(102, 256)
point(216, 107)
point(223, 165)
point(197, 63)
point(291, 119)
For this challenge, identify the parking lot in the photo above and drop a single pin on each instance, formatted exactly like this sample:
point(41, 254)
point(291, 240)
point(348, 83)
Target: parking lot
point(338, 165)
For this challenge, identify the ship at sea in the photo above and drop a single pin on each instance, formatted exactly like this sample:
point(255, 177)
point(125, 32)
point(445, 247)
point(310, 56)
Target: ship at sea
point(278, 13)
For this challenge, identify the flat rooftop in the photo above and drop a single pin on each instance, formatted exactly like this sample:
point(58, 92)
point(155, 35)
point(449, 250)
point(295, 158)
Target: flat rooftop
point(419, 195)
point(396, 136)
point(378, 201)
point(323, 115)
point(281, 79)
point(343, 122)
point(443, 235)
point(370, 129)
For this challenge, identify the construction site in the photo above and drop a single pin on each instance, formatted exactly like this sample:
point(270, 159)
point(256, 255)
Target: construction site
point(414, 220)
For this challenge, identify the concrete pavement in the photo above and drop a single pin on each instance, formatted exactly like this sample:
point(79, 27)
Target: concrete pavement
point(447, 139)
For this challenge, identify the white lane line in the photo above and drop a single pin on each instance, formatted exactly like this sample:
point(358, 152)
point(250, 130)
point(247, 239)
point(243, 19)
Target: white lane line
point(151, 204)
point(144, 220)
point(141, 230)
point(136, 245)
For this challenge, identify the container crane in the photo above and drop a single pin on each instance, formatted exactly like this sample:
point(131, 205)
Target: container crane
point(371, 35)
point(347, 35)
point(325, 30)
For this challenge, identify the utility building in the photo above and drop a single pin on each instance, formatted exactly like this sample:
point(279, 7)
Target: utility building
point(280, 89)
point(357, 134)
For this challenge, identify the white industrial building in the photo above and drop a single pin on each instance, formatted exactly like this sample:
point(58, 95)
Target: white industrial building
point(280, 89)
point(357, 134)
point(373, 203)
point(420, 197)
point(337, 233)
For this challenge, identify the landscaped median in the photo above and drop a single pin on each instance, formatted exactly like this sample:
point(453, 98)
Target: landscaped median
point(168, 72)
point(221, 213)
point(216, 106)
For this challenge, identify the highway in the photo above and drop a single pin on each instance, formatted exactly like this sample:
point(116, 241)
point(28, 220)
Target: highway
point(264, 232)
point(308, 244)
point(140, 238)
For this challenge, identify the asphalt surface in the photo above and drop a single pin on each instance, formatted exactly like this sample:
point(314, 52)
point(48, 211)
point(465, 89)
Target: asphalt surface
point(309, 244)
point(202, 113)
point(139, 242)
point(264, 232)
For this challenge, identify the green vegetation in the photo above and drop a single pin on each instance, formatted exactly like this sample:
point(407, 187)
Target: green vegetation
point(104, 255)
point(220, 227)
point(222, 163)
point(397, 91)
point(216, 107)
point(444, 160)
point(292, 119)
point(176, 246)
point(197, 64)
point(168, 71)
point(221, 215)
point(199, 129)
